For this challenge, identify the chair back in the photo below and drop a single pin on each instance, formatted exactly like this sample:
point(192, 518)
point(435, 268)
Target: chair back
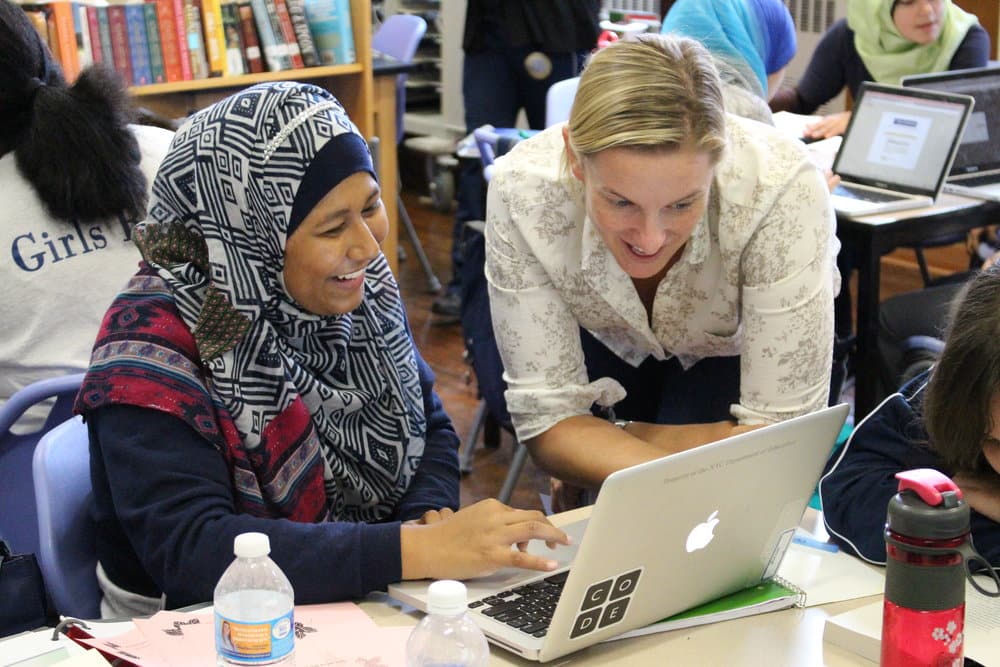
point(398, 37)
point(18, 523)
point(486, 141)
point(67, 548)
point(559, 100)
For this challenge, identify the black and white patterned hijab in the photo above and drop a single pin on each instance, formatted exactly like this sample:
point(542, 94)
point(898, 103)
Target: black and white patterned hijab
point(223, 201)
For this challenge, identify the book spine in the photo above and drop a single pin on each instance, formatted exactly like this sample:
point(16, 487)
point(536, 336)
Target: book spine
point(157, 66)
point(195, 39)
point(215, 39)
point(235, 52)
point(138, 46)
point(119, 42)
point(275, 53)
point(251, 43)
point(104, 27)
point(288, 34)
point(80, 26)
point(297, 12)
point(94, 28)
point(330, 23)
point(65, 31)
point(166, 22)
point(180, 29)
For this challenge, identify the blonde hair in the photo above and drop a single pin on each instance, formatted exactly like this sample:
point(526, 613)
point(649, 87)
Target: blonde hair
point(651, 92)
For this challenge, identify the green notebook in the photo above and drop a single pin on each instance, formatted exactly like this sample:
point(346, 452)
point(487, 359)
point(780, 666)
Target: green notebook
point(770, 595)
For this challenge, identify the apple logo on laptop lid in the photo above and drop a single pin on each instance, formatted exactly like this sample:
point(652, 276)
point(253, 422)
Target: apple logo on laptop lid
point(703, 533)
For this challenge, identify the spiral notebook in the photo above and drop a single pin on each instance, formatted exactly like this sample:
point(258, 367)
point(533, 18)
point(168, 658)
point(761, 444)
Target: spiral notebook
point(663, 537)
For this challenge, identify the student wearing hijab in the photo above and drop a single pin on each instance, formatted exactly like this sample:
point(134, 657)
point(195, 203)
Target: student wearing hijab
point(75, 173)
point(754, 37)
point(258, 374)
point(883, 40)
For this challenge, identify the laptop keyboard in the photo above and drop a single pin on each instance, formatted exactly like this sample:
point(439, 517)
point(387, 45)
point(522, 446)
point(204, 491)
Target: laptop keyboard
point(864, 194)
point(527, 608)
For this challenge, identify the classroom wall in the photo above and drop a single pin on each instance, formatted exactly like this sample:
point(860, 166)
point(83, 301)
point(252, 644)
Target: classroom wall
point(988, 12)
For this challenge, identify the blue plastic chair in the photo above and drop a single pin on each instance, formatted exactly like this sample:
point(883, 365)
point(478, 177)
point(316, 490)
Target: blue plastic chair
point(398, 37)
point(67, 553)
point(559, 100)
point(18, 523)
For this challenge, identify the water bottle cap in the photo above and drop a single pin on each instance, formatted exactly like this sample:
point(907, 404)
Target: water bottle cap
point(909, 515)
point(446, 597)
point(251, 545)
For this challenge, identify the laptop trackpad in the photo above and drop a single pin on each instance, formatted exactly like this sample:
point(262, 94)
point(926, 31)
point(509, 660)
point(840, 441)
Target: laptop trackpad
point(510, 577)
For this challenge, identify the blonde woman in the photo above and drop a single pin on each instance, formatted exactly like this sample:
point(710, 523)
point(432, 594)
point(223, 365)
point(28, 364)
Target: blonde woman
point(659, 261)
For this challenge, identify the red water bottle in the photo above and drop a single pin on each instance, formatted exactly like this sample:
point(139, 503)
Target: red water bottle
point(926, 539)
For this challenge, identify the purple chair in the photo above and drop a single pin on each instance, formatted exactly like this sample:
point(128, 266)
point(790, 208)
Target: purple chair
point(18, 524)
point(67, 551)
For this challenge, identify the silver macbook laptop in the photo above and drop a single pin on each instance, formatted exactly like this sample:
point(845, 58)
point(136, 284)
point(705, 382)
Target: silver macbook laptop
point(662, 537)
point(976, 170)
point(898, 148)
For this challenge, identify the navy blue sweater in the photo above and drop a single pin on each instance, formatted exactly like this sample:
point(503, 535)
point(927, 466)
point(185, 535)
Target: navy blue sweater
point(835, 63)
point(166, 518)
point(857, 489)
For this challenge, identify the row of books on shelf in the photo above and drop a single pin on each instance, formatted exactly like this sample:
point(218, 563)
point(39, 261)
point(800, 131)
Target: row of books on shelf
point(165, 41)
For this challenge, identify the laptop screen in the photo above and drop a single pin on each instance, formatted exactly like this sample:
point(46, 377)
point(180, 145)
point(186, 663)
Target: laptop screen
point(901, 138)
point(980, 147)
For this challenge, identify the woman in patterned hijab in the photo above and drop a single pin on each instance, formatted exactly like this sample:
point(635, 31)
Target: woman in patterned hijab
point(266, 326)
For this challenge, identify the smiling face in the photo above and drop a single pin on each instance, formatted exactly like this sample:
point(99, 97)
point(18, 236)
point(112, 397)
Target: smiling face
point(326, 256)
point(918, 20)
point(644, 204)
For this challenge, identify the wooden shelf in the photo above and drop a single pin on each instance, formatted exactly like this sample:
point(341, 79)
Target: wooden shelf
point(244, 80)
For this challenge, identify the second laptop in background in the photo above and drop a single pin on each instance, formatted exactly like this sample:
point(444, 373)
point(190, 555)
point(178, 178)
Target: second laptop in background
point(976, 170)
point(898, 148)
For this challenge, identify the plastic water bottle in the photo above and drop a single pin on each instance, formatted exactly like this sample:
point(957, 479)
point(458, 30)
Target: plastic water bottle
point(447, 637)
point(254, 605)
point(927, 545)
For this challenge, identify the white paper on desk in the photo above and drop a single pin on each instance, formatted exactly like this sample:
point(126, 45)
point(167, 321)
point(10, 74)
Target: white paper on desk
point(827, 577)
point(860, 630)
point(793, 124)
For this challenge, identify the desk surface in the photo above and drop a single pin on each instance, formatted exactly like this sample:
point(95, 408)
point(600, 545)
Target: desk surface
point(792, 637)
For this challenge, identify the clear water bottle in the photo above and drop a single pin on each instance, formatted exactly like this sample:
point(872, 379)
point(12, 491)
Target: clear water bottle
point(254, 606)
point(447, 636)
point(928, 555)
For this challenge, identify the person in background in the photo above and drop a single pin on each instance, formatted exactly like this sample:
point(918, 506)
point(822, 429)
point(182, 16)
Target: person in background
point(75, 175)
point(924, 312)
point(754, 39)
point(513, 51)
point(660, 258)
point(948, 418)
point(258, 374)
point(883, 41)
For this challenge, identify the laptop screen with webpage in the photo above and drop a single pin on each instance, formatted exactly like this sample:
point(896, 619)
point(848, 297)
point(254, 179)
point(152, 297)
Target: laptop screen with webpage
point(980, 144)
point(901, 139)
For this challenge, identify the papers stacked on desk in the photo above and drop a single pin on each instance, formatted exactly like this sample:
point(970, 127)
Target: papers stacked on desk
point(860, 630)
point(328, 634)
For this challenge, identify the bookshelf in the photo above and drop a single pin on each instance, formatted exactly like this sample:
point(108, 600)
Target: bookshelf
point(351, 83)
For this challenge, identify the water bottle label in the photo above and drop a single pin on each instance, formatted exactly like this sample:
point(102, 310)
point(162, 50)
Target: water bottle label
point(264, 641)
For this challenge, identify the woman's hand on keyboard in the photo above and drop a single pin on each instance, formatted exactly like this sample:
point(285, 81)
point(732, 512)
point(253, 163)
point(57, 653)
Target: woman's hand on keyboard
point(475, 541)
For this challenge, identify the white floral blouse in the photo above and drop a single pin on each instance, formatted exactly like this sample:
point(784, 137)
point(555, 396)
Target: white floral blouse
point(756, 279)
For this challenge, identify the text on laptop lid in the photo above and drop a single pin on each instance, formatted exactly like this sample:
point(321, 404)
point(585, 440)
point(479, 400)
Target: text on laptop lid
point(902, 139)
point(980, 144)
